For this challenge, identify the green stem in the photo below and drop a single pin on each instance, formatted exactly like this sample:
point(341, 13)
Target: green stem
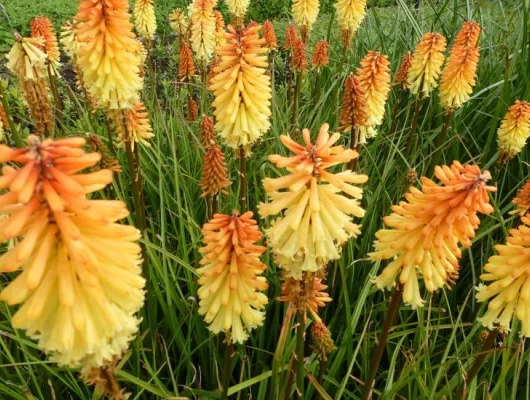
point(109, 134)
point(227, 367)
point(243, 176)
point(354, 145)
point(394, 113)
point(278, 354)
point(298, 88)
point(55, 92)
point(12, 127)
point(441, 140)
point(477, 364)
point(393, 309)
point(300, 331)
point(414, 126)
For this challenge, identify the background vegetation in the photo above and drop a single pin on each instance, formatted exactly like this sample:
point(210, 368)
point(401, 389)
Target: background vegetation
point(430, 348)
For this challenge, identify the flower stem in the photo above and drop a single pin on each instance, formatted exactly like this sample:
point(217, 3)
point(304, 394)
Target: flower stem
point(296, 98)
point(394, 113)
point(354, 145)
point(393, 308)
point(243, 181)
point(109, 134)
point(227, 367)
point(55, 93)
point(12, 127)
point(300, 331)
point(477, 364)
point(316, 93)
point(414, 126)
point(441, 140)
point(278, 354)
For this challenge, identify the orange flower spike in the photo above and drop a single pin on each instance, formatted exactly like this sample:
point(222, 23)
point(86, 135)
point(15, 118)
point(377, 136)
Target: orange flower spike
point(214, 175)
point(208, 136)
point(291, 37)
point(522, 201)
point(403, 70)
point(231, 281)
point(424, 232)
point(320, 57)
point(514, 130)
point(507, 279)
point(193, 109)
point(299, 57)
point(353, 112)
point(269, 34)
point(43, 27)
point(374, 78)
point(106, 37)
point(459, 75)
point(186, 64)
point(80, 286)
point(427, 62)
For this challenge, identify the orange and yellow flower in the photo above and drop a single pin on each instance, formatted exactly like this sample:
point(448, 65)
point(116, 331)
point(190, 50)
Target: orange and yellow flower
point(178, 20)
point(28, 63)
point(107, 54)
point(507, 278)
point(43, 27)
point(403, 70)
point(203, 25)
point(353, 113)
point(514, 130)
point(242, 88)
point(316, 218)
point(305, 13)
point(427, 62)
point(144, 18)
point(424, 232)
point(459, 75)
point(138, 126)
point(522, 201)
point(374, 78)
point(231, 278)
point(350, 15)
point(80, 286)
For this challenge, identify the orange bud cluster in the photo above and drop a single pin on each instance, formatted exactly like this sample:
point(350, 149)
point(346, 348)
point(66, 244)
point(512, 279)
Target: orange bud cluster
point(403, 70)
point(322, 343)
point(231, 276)
point(353, 112)
point(459, 75)
point(28, 63)
point(291, 37)
point(522, 200)
point(214, 178)
point(80, 286)
point(43, 27)
point(193, 109)
point(320, 55)
point(514, 130)
point(424, 232)
point(299, 57)
point(208, 136)
point(186, 64)
point(108, 161)
point(269, 34)
point(305, 295)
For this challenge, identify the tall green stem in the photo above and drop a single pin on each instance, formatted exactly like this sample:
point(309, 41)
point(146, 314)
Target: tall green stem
point(300, 372)
point(296, 98)
point(243, 180)
point(354, 145)
point(441, 140)
point(414, 126)
point(227, 367)
point(395, 301)
point(12, 127)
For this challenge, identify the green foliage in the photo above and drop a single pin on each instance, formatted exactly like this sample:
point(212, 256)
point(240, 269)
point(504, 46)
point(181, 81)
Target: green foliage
point(429, 349)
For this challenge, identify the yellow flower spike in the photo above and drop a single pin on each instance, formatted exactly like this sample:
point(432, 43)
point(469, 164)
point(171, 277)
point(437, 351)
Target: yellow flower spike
point(238, 9)
point(374, 78)
point(423, 234)
point(107, 56)
point(79, 285)
point(522, 201)
point(514, 130)
point(316, 216)
point(68, 39)
point(144, 18)
point(427, 62)
point(242, 88)
point(203, 25)
point(219, 29)
point(459, 75)
point(507, 279)
point(305, 13)
point(231, 278)
point(28, 63)
point(138, 126)
point(179, 22)
point(43, 27)
point(350, 15)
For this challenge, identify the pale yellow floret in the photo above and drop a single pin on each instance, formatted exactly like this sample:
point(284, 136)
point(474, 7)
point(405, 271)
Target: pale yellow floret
point(144, 18)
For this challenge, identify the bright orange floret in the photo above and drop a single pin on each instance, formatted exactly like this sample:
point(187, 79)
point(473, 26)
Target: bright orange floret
point(214, 178)
point(353, 112)
point(43, 27)
point(193, 109)
point(269, 34)
point(468, 35)
point(231, 278)
point(403, 70)
point(79, 285)
point(320, 55)
point(107, 55)
point(299, 57)
point(424, 232)
point(522, 201)
point(186, 64)
point(291, 37)
point(208, 136)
